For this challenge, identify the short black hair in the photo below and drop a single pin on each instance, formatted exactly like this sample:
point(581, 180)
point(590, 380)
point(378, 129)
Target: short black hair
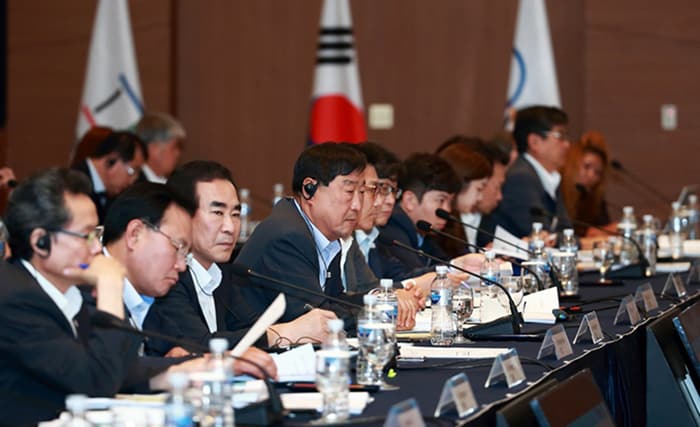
point(323, 162)
point(39, 202)
point(424, 172)
point(489, 149)
point(184, 179)
point(123, 144)
point(537, 119)
point(386, 163)
point(145, 200)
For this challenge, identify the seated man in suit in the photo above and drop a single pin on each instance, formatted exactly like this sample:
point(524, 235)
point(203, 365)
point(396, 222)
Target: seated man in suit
point(112, 167)
point(206, 302)
point(48, 348)
point(163, 136)
point(300, 241)
point(427, 183)
point(532, 182)
point(148, 229)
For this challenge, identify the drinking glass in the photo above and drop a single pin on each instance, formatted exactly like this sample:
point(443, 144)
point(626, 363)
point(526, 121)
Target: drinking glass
point(603, 256)
point(462, 307)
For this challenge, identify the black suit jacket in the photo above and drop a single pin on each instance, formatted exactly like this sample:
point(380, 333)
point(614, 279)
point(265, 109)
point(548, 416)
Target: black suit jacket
point(401, 228)
point(283, 247)
point(522, 191)
point(102, 201)
point(40, 359)
point(186, 318)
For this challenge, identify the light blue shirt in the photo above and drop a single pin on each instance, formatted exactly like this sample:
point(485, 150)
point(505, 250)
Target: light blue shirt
point(137, 305)
point(366, 241)
point(325, 249)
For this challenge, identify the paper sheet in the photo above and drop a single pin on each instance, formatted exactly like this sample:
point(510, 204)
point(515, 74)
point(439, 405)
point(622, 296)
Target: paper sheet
point(450, 352)
point(502, 248)
point(539, 305)
point(311, 401)
point(268, 318)
point(672, 267)
point(297, 364)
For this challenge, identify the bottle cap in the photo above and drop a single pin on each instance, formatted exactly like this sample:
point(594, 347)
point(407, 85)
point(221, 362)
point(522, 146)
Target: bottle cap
point(441, 269)
point(676, 205)
point(369, 299)
point(628, 210)
point(536, 227)
point(386, 283)
point(178, 380)
point(647, 218)
point(490, 254)
point(335, 325)
point(278, 187)
point(244, 192)
point(218, 345)
point(76, 403)
point(569, 232)
point(693, 199)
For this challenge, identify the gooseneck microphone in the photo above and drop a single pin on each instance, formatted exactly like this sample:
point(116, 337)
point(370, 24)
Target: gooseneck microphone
point(618, 167)
point(273, 413)
point(515, 315)
point(634, 271)
point(245, 271)
point(427, 227)
point(441, 213)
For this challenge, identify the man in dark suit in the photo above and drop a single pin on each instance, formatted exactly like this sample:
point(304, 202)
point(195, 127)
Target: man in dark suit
point(112, 167)
point(533, 179)
point(48, 347)
point(163, 137)
point(427, 183)
point(206, 302)
point(299, 241)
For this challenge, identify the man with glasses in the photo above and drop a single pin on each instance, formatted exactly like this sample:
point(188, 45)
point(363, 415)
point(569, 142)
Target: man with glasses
point(300, 241)
point(48, 347)
point(114, 166)
point(149, 230)
point(532, 182)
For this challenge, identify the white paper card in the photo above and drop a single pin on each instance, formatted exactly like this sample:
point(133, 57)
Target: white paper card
point(676, 284)
point(693, 273)
point(645, 295)
point(297, 364)
point(314, 401)
point(555, 341)
point(268, 318)
point(506, 365)
point(590, 326)
point(537, 307)
point(450, 352)
point(457, 392)
point(502, 248)
point(627, 310)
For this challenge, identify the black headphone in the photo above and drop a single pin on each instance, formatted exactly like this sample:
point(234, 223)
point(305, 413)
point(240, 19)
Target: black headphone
point(44, 242)
point(310, 189)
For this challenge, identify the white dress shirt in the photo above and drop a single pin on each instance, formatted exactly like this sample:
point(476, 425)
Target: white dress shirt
point(152, 176)
point(69, 302)
point(550, 180)
point(205, 283)
point(473, 219)
point(97, 185)
point(344, 249)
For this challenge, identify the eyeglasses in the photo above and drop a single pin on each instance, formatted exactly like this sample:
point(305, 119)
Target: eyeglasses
point(560, 135)
point(91, 237)
point(372, 190)
point(386, 189)
point(180, 248)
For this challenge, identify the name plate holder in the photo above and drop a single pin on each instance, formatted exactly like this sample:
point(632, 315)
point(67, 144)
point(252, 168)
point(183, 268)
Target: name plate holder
point(405, 414)
point(506, 365)
point(555, 341)
point(590, 326)
point(645, 297)
point(457, 392)
point(693, 272)
point(676, 283)
point(627, 310)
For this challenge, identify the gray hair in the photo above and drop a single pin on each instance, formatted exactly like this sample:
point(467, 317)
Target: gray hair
point(159, 127)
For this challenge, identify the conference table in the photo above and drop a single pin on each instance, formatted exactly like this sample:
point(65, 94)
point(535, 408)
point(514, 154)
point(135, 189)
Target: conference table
point(618, 364)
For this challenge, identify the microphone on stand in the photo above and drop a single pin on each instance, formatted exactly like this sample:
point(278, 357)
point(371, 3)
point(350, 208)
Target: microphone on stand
point(441, 213)
point(263, 413)
point(515, 315)
point(633, 271)
point(427, 227)
point(618, 167)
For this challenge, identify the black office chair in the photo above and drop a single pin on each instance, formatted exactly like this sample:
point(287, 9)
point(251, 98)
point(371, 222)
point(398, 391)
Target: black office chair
point(517, 412)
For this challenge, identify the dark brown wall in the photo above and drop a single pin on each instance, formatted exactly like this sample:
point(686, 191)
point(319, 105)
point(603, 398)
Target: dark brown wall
point(239, 75)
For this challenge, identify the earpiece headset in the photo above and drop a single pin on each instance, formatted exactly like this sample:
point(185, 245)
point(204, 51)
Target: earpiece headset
point(310, 189)
point(44, 242)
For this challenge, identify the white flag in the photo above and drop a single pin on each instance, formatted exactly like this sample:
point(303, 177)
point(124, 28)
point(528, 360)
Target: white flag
point(533, 75)
point(112, 91)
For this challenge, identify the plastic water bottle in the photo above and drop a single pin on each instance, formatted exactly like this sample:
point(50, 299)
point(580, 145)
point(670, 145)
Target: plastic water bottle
point(541, 262)
point(76, 404)
point(535, 235)
point(277, 193)
point(246, 211)
point(627, 227)
point(676, 230)
point(365, 317)
point(386, 299)
point(568, 241)
point(492, 271)
point(443, 327)
point(648, 242)
point(693, 218)
point(333, 374)
point(217, 397)
point(178, 413)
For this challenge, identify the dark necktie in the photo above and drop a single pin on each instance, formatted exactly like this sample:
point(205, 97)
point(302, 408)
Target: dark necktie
point(81, 321)
point(334, 283)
